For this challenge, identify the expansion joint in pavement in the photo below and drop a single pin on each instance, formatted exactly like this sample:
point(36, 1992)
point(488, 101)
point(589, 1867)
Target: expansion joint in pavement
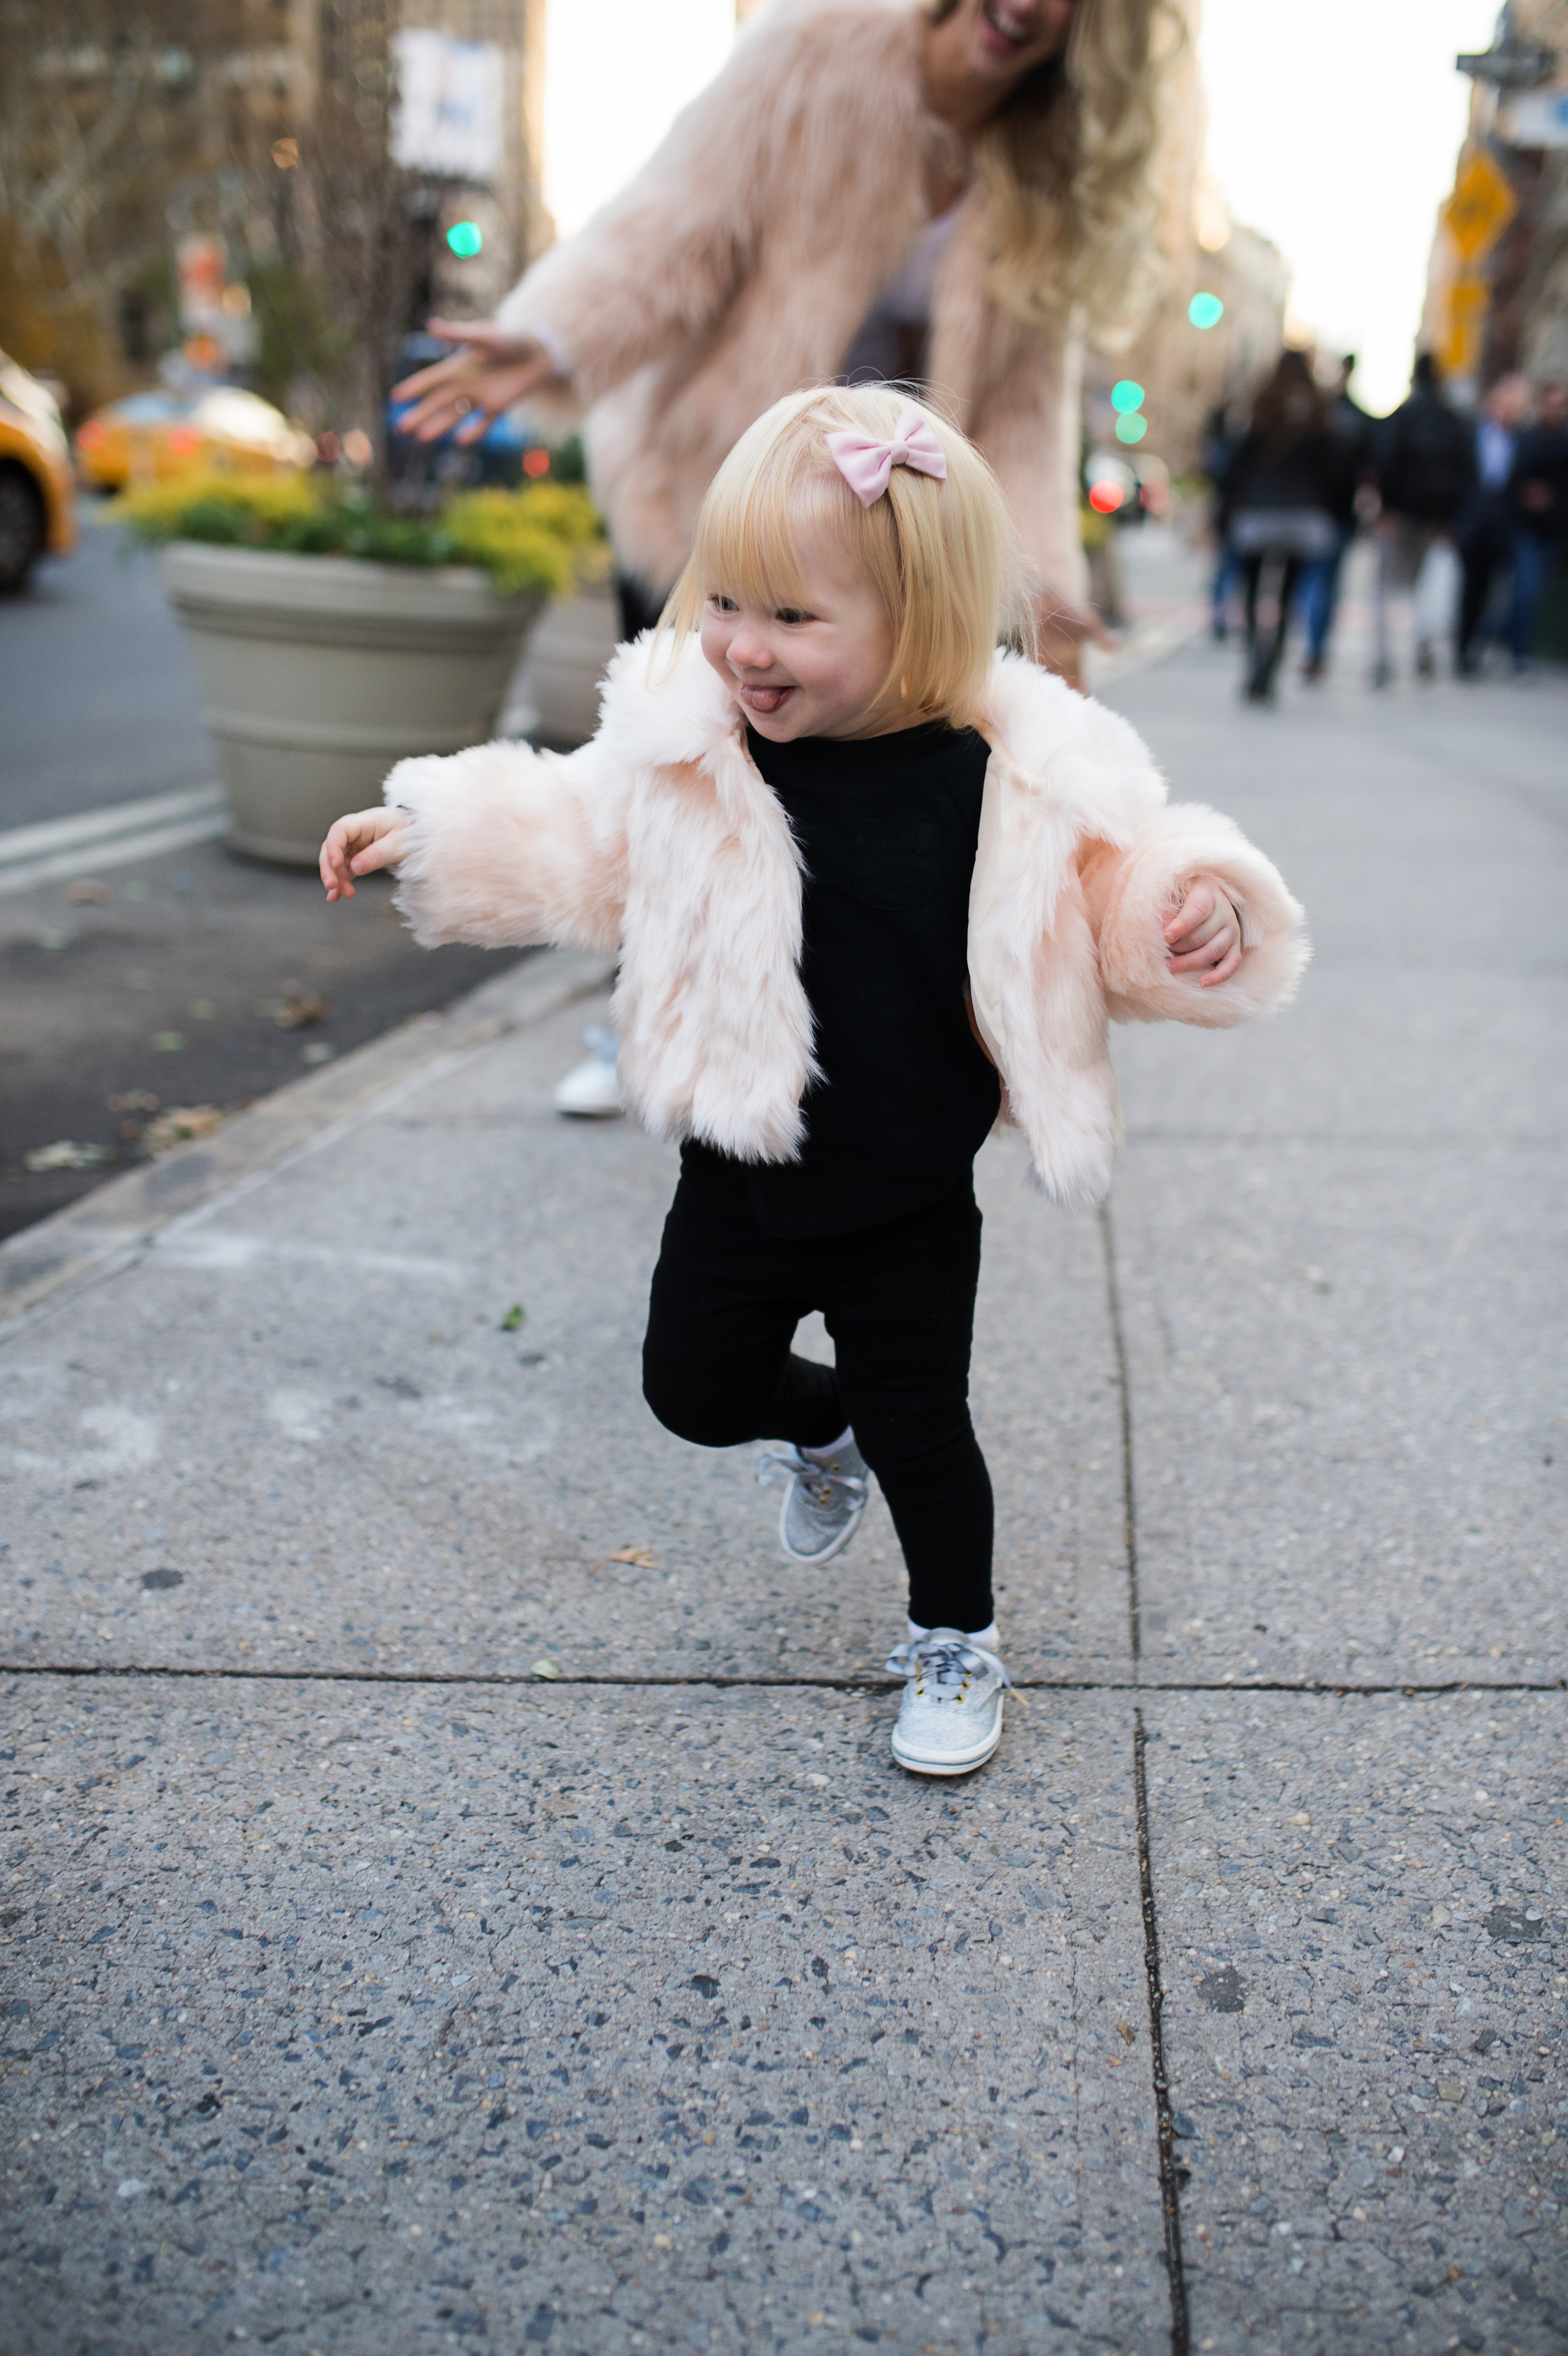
point(238, 1673)
point(1171, 2174)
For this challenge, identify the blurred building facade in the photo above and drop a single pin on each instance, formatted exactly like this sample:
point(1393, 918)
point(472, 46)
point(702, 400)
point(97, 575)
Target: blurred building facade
point(160, 164)
point(1189, 370)
point(1496, 295)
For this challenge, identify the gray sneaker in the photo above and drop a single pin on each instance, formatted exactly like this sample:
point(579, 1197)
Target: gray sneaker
point(825, 1502)
point(950, 1719)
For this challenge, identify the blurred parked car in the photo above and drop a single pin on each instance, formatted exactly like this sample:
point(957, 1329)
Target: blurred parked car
point(38, 496)
point(153, 436)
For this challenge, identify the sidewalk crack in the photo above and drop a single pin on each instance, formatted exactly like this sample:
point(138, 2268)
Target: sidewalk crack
point(1170, 2172)
point(1129, 1507)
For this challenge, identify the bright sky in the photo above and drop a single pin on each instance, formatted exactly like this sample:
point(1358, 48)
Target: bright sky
point(615, 74)
point(1333, 129)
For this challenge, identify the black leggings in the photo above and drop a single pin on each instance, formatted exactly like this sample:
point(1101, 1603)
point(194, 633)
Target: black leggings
point(1265, 640)
point(899, 1302)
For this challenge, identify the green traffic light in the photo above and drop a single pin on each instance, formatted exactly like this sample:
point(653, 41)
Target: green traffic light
point(1127, 396)
point(465, 239)
point(1205, 310)
point(1131, 429)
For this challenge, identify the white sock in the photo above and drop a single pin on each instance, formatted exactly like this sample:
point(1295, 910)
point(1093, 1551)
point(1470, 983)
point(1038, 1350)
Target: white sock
point(986, 1637)
point(835, 1446)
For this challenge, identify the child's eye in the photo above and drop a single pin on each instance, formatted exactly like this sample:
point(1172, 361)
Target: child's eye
point(723, 605)
point(790, 615)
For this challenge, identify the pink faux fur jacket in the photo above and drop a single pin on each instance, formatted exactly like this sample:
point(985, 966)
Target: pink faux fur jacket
point(739, 262)
point(660, 839)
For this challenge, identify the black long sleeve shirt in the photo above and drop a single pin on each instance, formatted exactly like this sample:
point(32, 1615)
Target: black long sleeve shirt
point(888, 828)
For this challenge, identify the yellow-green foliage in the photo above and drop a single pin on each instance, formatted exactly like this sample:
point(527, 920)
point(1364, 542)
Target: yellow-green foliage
point(156, 512)
point(545, 537)
point(548, 536)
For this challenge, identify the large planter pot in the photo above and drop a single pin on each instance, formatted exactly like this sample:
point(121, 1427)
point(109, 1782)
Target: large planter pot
point(318, 672)
point(568, 657)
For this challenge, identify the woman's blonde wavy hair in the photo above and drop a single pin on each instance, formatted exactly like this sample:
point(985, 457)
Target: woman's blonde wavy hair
point(943, 556)
point(1071, 165)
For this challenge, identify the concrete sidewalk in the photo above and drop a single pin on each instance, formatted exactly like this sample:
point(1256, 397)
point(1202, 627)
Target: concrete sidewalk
point(458, 1894)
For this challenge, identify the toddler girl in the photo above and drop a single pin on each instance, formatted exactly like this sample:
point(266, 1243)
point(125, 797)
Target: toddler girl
point(873, 884)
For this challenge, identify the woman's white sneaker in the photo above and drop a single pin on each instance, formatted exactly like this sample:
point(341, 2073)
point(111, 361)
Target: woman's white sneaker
point(950, 1719)
point(825, 1502)
point(592, 1090)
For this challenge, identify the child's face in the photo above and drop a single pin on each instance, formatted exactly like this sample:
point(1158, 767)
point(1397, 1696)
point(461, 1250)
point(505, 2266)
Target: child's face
point(807, 670)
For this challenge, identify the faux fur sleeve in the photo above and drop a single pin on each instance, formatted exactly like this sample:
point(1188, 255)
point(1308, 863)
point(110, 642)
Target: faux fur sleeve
point(512, 848)
point(1131, 894)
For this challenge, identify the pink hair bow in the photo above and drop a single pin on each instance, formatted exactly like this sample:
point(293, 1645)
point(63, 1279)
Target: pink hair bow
point(865, 465)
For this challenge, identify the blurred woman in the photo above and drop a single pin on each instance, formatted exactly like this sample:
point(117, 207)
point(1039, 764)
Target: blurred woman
point(943, 194)
point(1278, 490)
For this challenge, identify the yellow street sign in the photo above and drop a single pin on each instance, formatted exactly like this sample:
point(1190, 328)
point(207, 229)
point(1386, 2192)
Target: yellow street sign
point(1464, 316)
point(1480, 207)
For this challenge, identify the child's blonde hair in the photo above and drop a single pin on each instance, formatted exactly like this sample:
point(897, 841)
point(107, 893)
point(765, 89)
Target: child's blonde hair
point(942, 556)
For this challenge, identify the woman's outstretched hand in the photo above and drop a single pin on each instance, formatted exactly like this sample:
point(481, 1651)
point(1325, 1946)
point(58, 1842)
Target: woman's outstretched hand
point(1205, 932)
point(357, 845)
point(491, 369)
point(1059, 630)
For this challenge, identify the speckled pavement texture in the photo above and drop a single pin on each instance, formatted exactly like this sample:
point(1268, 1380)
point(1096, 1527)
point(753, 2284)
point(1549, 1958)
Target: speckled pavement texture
point(369, 1988)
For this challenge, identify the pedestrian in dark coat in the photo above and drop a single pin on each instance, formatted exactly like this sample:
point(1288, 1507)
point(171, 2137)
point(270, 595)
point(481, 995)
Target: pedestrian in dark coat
point(1350, 431)
point(1488, 522)
point(1277, 491)
point(1539, 491)
point(1423, 463)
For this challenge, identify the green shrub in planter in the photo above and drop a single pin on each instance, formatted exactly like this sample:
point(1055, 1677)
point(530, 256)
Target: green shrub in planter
point(546, 537)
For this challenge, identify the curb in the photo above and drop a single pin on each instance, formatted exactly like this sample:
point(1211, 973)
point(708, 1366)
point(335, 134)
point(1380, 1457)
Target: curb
point(113, 1226)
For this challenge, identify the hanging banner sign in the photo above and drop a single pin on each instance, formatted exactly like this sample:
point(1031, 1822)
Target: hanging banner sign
point(450, 104)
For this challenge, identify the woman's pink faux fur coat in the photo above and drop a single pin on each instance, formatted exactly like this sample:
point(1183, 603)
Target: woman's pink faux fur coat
point(739, 263)
point(661, 838)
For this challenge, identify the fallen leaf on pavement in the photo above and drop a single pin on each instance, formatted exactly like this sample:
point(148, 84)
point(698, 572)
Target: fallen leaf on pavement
point(515, 1317)
point(180, 1122)
point(86, 893)
point(297, 1007)
point(66, 1154)
point(544, 1669)
point(639, 1554)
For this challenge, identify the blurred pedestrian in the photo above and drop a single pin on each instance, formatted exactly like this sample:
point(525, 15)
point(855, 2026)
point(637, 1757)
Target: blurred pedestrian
point(1222, 440)
point(1277, 490)
point(1540, 489)
point(936, 192)
point(830, 973)
point(1424, 465)
point(1488, 519)
point(1350, 435)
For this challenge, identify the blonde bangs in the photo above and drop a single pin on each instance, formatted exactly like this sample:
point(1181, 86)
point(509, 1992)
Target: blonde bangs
point(942, 556)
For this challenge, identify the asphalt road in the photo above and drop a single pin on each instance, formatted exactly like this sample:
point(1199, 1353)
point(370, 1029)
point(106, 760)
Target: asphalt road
point(99, 701)
point(193, 979)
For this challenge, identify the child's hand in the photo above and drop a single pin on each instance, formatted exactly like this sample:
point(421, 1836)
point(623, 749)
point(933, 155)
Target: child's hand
point(357, 845)
point(1204, 931)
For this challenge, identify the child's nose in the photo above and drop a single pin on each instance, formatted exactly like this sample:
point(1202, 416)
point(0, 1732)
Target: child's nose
point(750, 651)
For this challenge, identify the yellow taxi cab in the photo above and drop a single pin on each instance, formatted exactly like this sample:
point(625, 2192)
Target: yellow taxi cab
point(151, 437)
point(37, 493)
